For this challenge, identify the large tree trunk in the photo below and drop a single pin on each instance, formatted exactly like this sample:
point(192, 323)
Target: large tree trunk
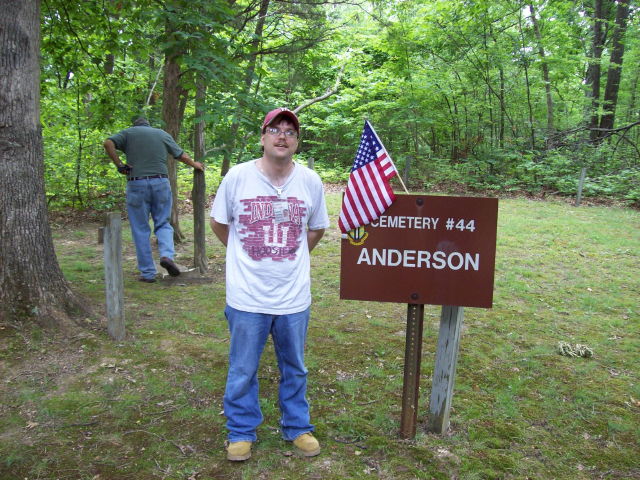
point(615, 67)
point(172, 117)
point(172, 104)
point(32, 286)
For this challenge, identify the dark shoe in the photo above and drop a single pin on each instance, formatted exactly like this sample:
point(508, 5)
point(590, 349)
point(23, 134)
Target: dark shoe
point(170, 266)
point(147, 280)
point(238, 451)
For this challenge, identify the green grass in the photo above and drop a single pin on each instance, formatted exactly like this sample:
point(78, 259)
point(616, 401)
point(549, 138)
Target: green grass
point(85, 407)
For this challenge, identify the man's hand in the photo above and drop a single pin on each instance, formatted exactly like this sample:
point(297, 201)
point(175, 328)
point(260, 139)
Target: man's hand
point(185, 158)
point(124, 169)
point(198, 166)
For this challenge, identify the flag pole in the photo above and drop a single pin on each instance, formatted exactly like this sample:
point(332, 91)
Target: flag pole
point(390, 159)
point(399, 176)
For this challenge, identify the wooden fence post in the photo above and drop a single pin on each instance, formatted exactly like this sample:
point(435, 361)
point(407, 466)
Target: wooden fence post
point(113, 279)
point(583, 176)
point(310, 162)
point(444, 373)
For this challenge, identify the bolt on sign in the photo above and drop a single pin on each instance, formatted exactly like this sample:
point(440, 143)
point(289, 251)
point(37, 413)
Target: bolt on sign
point(424, 249)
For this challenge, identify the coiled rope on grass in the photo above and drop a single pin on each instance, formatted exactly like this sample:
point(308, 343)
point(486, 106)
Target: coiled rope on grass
point(578, 350)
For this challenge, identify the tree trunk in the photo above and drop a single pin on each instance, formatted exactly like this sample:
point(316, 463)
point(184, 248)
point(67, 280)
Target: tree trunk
point(631, 109)
point(172, 118)
point(32, 286)
point(503, 108)
point(525, 63)
point(545, 71)
point(488, 91)
point(593, 71)
point(80, 148)
point(198, 192)
point(615, 67)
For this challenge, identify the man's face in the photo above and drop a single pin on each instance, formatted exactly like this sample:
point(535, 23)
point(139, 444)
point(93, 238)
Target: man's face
point(277, 144)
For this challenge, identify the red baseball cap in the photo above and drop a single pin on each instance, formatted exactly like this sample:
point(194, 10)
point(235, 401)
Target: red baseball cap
point(281, 112)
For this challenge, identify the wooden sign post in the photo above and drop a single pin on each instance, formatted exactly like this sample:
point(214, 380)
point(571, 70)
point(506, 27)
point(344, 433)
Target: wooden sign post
point(444, 372)
point(425, 250)
point(411, 381)
point(113, 279)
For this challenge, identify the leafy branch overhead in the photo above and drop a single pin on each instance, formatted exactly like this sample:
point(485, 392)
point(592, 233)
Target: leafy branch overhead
point(482, 95)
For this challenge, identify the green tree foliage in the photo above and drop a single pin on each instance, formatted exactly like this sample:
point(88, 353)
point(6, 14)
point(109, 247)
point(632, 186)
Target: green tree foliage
point(471, 93)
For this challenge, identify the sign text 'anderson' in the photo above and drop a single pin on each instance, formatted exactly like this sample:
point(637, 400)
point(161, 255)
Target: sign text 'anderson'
point(424, 249)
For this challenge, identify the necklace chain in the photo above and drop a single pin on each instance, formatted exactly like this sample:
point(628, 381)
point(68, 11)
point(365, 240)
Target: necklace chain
point(276, 181)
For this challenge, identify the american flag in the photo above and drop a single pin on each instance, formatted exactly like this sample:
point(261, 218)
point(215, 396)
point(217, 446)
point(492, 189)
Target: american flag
point(369, 191)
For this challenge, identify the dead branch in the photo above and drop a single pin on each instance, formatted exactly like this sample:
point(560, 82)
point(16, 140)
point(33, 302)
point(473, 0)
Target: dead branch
point(155, 82)
point(304, 105)
point(326, 95)
point(560, 139)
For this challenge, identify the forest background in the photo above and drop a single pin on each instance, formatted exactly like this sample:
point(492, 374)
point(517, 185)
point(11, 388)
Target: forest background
point(480, 95)
point(473, 96)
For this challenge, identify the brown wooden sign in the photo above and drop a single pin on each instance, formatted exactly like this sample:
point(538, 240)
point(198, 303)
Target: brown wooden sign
point(424, 250)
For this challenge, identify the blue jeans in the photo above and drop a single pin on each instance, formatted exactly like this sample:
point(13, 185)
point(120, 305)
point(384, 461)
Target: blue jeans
point(150, 197)
point(249, 333)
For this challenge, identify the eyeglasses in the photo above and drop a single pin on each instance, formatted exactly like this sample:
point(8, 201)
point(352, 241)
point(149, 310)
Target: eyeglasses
point(276, 132)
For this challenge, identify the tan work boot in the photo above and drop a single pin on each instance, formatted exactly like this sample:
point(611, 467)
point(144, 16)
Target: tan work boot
point(238, 451)
point(307, 445)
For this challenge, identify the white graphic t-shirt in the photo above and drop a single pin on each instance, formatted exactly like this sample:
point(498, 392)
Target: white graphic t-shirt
point(268, 265)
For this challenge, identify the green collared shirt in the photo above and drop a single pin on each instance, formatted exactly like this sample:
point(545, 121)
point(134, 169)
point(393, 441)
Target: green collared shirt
point(146, 149)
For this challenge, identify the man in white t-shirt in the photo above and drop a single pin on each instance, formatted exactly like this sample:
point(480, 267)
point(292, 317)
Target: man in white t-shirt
point(269, 213)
